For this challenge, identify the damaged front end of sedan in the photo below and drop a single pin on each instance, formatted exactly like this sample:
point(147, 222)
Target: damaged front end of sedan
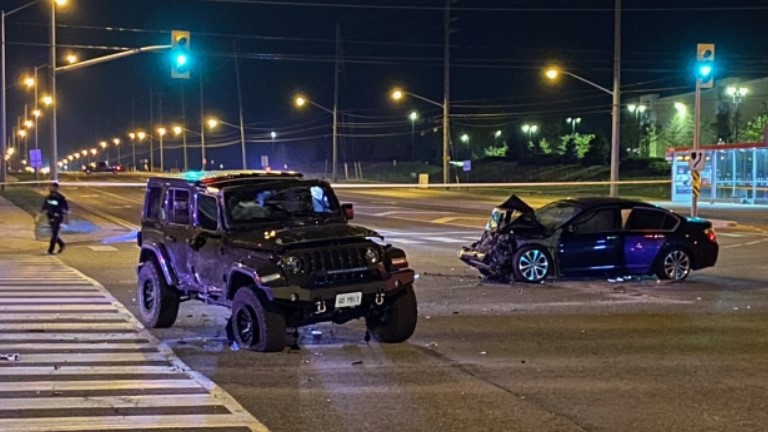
point(510, 225)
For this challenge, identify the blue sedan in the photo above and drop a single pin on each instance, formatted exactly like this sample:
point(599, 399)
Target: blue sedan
point(590, 237)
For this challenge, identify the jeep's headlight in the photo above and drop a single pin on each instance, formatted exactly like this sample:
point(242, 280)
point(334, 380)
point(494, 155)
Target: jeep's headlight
point(293, 264)
point(372, 255)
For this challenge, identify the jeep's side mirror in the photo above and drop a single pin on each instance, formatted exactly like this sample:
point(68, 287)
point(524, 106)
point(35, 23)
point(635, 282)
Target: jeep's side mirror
point(197, 241)
point(349, 211)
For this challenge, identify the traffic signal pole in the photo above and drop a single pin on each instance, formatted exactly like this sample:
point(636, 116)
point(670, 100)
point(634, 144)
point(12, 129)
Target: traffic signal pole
point(696, 176)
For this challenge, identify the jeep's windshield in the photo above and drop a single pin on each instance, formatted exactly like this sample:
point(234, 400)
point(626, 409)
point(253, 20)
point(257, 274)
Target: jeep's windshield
point(279, 201)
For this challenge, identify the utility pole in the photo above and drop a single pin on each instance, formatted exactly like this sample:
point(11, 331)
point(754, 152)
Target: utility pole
point(3, 107)
point(184, 128)
point(446, 91)
point(615, 109)
point(336, 67)
point(54, 130)
point(202, 118)
point(240, 107)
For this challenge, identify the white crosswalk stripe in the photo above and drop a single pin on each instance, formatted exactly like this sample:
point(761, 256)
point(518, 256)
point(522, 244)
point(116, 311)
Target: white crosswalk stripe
point(76, 360)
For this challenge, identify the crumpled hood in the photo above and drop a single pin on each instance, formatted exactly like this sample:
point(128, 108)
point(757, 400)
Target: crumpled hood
point(279, 236)
point(515, 203)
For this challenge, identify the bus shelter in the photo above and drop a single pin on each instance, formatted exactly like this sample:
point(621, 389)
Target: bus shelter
point(733, 173)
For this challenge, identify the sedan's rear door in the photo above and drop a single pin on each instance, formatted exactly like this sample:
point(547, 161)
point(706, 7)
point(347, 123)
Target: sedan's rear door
point(645, 233)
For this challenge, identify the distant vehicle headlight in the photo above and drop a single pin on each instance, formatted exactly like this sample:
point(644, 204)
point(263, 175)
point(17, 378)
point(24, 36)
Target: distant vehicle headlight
point(293, 264)
point(372, 255)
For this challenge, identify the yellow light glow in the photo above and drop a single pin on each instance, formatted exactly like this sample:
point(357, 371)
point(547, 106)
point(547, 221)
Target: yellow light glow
point(94, 151)
point(161, 131)
point(22, 133)
point(61, 2)
point(116, 141)
point(84, 152)
point(103, 144)
point(37, 113)
point(141, 135)
point(212, 123)
point(132, 136)
point(552, 73)
point(300, 101)
point(29, 124)
point(177, 130)
point(47, 100)
point(71, 58)
point(29, 82)
point(397, 94)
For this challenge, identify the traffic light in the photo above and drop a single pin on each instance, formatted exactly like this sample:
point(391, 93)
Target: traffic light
point(180, 54)
point(705, 65)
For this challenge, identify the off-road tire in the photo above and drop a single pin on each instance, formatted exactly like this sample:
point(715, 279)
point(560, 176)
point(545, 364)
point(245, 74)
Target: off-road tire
point(397, 322)
point(256, 326)
point(531, 264)
point(158, 302)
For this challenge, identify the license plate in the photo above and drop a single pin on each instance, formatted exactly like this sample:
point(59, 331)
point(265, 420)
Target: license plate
point(349, 299)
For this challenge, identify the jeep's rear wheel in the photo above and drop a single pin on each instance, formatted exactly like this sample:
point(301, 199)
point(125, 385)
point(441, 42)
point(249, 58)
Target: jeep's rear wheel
point(397, 321)
point(158, 303)
point(256, 326)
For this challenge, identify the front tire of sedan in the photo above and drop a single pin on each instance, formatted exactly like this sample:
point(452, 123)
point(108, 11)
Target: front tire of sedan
point(531, 264)
point(674, 264)
point(158, 302)
point(256, 326)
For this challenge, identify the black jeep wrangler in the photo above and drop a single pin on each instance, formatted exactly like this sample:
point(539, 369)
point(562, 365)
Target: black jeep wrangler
point(277, 250)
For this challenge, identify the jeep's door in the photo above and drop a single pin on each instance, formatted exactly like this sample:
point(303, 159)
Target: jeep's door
point(208, 263)
point(177, 230)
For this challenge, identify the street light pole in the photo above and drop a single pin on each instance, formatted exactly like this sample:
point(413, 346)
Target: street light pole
point(240, 107)
point(54, 130)
point(3, 164)
point(615, 112)
point(446, 88)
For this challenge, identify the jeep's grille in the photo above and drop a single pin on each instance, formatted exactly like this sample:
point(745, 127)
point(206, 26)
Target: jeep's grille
point(338, 266)
point(335, 259)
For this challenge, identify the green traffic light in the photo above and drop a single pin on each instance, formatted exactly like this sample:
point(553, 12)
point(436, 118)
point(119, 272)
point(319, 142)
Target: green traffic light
point(181, 60)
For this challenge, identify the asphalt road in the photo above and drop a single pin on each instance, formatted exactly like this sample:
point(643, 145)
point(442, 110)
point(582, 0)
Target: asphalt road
point(568, 355)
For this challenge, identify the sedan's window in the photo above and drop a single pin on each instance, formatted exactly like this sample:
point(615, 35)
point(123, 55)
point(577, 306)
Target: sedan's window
point(605, 220)
point(646, 220)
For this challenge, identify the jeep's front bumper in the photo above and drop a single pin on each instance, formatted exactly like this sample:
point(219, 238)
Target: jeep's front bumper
point(389, 284)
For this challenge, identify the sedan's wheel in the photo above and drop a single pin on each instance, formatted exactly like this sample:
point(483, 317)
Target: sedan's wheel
point(675, 264)
point(254, 325)
point(158, 302)
point(531, 264)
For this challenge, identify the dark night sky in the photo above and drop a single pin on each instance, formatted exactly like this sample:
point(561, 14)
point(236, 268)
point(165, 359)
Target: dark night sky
point(496, 75)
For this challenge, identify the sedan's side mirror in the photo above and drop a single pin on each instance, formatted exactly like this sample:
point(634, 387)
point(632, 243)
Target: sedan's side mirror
point(349, 211)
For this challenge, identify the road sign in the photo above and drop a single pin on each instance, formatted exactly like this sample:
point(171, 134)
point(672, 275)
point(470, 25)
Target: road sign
point(697, 160)
point(467, 165)
point(696, 183)
point(36, 158)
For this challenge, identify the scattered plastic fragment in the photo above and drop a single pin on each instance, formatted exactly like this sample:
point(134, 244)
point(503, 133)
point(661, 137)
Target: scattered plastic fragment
point(359, 362)
point(317, 334)
point(10, 357)
point(483, 353)
point(431, 344)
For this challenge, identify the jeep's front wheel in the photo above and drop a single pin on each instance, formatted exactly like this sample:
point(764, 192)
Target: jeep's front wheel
point(397, 321)
point(256, 326)
point(158, 303)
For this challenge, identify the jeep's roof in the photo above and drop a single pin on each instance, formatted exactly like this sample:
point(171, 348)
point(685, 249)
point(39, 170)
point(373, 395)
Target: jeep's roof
point(217, 179)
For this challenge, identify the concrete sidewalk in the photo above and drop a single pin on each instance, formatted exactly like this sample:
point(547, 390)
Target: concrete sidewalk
point(17, 230)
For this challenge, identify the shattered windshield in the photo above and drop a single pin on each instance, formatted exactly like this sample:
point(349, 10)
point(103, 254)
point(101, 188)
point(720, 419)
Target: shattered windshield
point(554, 215)
point(279, 201)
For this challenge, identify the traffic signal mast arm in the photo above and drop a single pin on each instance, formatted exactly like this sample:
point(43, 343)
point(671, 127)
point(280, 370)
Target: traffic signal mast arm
point(110, 57)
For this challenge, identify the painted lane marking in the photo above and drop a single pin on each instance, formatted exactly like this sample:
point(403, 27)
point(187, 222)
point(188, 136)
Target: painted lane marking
point(444, 239)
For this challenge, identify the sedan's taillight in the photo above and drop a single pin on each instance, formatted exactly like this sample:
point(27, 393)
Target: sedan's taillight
point(711, 234)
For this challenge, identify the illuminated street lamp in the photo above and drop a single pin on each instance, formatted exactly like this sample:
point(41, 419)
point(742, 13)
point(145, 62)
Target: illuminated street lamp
point(413, 116)
point(29, 82)
point(737, 93)
point(464, 138)
point(29, 124)
point(398, 94)
point(573, 122)
point(530, 130)
point(116, 142)
point(681, 109)
point(71, 58)
point(300, 101)
point(161, 131)
point(104, 145)
point(553, 72)
point(47, 100)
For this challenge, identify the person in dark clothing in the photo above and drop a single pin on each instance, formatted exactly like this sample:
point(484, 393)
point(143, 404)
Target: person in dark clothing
point(55, 206)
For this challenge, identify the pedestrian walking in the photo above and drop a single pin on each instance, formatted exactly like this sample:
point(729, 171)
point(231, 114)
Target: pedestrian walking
point(55, 206)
